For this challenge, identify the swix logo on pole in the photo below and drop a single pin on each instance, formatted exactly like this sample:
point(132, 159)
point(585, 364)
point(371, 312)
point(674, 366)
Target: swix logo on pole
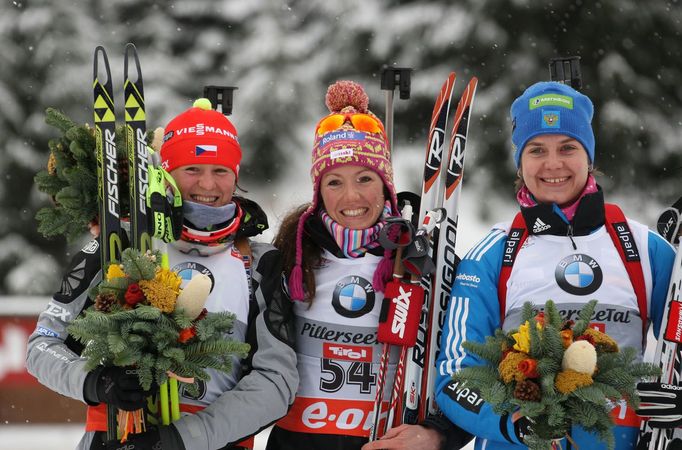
point(402, 306)
point(400, 319)
point(112, 172)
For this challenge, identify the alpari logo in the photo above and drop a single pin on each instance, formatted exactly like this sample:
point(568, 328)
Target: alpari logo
point(469, 399)
point(539, 226)
point(402, 306)
point(578, 274)
point(465, 277)
point(353, 297)
point(187, 270)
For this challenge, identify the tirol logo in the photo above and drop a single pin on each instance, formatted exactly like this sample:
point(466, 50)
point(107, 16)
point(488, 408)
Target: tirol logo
point(551, 119)
point(578, 274)
point(188, 269)
point(353, 297)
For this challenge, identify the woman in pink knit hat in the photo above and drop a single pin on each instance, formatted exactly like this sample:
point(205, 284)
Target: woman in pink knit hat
point(336, 271)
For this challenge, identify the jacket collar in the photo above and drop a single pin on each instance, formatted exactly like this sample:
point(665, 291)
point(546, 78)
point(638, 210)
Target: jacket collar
point(314, 228)
point(548, 218)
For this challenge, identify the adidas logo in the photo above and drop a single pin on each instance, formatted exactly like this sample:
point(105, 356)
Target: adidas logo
point(539, 226)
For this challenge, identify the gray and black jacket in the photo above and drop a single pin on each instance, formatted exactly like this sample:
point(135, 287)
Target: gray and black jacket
point(257, 393)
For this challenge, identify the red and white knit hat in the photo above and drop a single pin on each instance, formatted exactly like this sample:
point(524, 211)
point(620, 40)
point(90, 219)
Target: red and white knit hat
point(201, 135)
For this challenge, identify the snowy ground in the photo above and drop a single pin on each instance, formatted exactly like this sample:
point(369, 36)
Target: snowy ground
point(59, 437)
point(65, 437)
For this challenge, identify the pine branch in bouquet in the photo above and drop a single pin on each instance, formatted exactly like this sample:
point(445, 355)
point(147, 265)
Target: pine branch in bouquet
point(70, 178)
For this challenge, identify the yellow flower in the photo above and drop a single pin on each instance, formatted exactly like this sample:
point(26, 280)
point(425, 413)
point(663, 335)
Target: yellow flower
point(170, 279)
point(159, 295)
point(509, 367)
point(568, 381)
point(522, 338)
point(115, 271)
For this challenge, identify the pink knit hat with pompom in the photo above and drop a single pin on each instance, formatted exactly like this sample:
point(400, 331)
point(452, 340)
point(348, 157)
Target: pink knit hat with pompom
point(346, 145)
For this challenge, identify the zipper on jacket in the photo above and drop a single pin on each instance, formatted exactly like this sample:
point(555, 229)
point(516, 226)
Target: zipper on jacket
point(569, 233)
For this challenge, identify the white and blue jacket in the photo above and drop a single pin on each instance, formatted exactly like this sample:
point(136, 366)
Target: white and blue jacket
point(570, 264)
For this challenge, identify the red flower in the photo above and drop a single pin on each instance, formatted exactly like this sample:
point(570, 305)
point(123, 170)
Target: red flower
point(186, 334)
point(529, 367)
point(134, 294)
point(540, 318)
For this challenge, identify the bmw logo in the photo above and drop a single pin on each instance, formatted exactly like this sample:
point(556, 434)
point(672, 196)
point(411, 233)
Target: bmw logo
point(187, 270)
point(578, 274)
point(353, 297)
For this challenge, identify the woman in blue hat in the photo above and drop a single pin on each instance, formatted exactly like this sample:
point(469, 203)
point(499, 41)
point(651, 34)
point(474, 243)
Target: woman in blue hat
point(562, 246)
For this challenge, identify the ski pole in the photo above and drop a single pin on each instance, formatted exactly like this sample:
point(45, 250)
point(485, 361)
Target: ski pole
point(385, 327)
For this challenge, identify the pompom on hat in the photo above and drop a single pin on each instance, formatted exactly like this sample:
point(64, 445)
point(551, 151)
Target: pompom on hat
point(201, 135)
point(549, 107)
point(350, 135)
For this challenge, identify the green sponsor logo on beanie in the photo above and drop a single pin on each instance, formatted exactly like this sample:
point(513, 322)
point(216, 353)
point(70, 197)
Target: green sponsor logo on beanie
point(550, 100)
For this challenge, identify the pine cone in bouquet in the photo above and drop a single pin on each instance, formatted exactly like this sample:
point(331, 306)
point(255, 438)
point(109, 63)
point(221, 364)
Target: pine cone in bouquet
point(527, 391)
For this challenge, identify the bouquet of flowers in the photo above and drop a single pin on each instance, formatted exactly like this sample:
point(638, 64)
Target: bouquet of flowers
point(556, 373)
point(142, 318)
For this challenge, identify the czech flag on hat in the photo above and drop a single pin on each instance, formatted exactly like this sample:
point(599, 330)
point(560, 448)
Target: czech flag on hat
point(201, 135)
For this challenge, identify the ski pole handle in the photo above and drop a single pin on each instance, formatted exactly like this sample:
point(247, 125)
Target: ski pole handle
point(390, 77)
point(567, 71)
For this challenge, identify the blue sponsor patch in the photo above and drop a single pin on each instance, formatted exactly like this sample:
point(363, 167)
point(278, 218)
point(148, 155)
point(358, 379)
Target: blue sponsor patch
point(46, 332)
point(343, 136)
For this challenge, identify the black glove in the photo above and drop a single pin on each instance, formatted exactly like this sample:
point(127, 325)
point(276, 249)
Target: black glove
point(523, 427)
point(661, 403)
point(116, 386)
point(165, 437)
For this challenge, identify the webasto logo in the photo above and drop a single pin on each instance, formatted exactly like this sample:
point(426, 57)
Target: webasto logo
point(465, 277)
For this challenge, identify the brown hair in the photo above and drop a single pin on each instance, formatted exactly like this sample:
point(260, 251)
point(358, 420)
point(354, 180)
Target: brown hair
point(285, 241)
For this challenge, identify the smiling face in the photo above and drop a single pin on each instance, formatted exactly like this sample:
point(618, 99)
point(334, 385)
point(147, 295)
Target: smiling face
point(353, 196)
point(555, 168)
point(208, 184)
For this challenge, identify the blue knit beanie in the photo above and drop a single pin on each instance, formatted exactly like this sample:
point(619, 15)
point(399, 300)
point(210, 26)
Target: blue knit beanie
point(549, 107)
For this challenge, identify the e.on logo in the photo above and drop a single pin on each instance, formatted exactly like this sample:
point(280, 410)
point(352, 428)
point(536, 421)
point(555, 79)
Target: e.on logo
point(338, 417)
